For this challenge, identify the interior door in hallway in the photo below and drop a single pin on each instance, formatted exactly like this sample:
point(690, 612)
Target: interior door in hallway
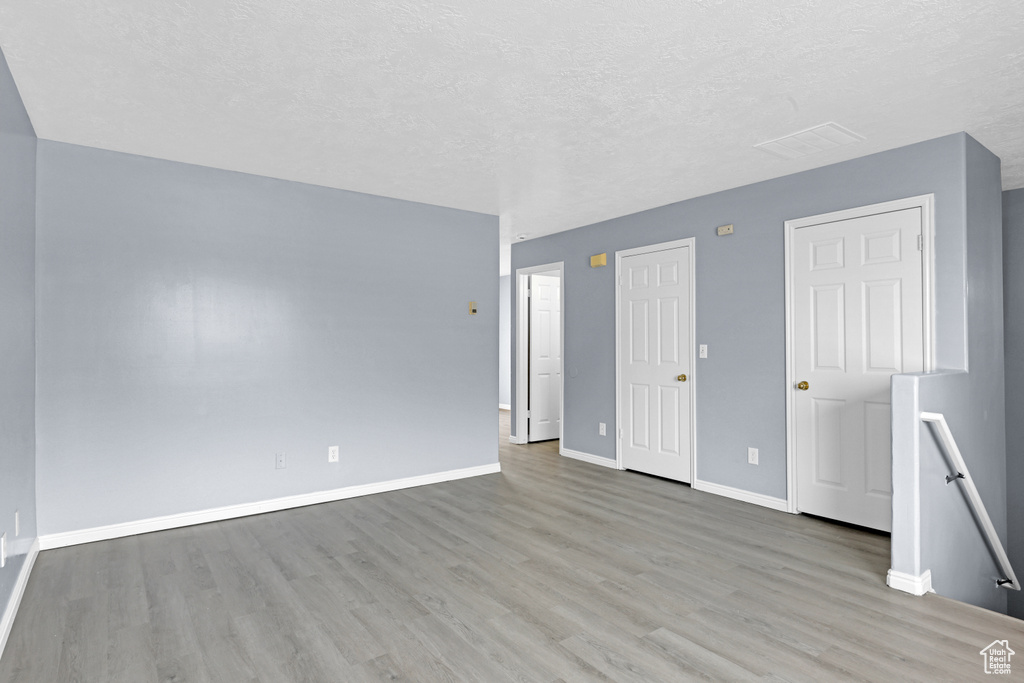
point(857, 311)
point(654, 363)
point(545, 358)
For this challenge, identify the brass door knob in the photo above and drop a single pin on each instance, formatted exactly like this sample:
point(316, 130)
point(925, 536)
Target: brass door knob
point(681, 378)
point(803, 386)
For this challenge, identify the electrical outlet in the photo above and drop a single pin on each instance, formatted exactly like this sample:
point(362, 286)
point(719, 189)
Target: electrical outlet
point(332, 454)
point(281, 461)
point(752, 456)
point(3, 550)
point(602, 429)
point(703, 350)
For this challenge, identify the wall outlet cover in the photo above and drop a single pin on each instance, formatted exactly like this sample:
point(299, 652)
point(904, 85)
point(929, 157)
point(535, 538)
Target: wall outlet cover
point(332, 454)
point(602, 429)
point(752, 456)
point(280, 461)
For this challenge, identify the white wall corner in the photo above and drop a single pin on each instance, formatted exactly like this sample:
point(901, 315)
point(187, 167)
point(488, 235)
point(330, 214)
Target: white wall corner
point(7, 620)
point(504, 406)
point(588, 457)
point(908, 583)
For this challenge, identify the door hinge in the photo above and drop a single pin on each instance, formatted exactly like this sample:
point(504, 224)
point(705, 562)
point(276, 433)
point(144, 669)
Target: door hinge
point(527, 413)
point(920, 242)
point(622, 281)
point(620, 432)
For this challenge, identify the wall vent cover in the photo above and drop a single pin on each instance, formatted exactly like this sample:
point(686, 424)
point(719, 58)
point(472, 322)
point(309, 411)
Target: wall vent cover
point(810, 141)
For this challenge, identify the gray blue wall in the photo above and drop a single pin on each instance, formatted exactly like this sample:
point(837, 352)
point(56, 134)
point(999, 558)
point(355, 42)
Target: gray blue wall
point(193, 322)
point(505, 341)
point(17, 333)
point(740, 299)
point(973, 402)
point(1013, 307)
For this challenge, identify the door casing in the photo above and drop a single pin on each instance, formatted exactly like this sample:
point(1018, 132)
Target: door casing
point(619, 255)
point(522, 378)
point(927, 205)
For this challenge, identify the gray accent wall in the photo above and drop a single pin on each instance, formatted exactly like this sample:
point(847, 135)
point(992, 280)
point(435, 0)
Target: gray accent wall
point(193, 322)
point(740, 299)
point(1013, 307)
point(17, 333)
point(952, 546)
point(505, 340)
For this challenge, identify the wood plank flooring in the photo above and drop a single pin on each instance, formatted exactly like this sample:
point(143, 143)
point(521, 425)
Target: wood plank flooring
point(553, 570)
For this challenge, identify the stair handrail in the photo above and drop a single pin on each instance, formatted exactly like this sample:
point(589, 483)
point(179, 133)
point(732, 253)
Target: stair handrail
point(938, 422)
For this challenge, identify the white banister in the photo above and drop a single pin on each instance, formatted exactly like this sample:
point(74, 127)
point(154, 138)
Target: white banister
point(938, 422)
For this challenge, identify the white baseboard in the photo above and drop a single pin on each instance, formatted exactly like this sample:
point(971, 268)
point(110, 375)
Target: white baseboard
point(144, 526)
point(739, 494)
point(504, 406)
point(587, 457)
point(908, 583)
point(7, 620)
point(512, 438)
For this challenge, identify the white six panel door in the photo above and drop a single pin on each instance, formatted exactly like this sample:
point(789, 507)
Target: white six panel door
point(545, 358)
point(857, 312)
point(654, 348)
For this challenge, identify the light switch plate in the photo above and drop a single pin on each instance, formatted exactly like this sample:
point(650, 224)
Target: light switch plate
point(752, 456)
point(703, 350)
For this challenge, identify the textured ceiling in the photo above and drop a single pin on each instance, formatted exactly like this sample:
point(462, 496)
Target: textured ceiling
point(551, 114)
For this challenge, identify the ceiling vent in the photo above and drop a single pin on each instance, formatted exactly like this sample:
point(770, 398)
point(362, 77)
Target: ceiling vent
point(810, 141)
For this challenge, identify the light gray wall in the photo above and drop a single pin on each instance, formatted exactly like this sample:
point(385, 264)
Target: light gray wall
point(505, 340)
point(193, 322)
point(1013, 307)
point(17, 333)
point(740, 299)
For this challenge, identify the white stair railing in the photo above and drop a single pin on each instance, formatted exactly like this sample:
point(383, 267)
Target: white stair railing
point(938, 422)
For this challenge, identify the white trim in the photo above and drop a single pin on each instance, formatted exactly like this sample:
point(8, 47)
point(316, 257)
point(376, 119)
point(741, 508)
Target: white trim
point(588, 457)
point(926, 203)
point(522, 379)
point(739, 494)
point(908, 583)
point(504, 406)
point(144, 526)
point(512, 438)
point(7, 620)
point(690, 242)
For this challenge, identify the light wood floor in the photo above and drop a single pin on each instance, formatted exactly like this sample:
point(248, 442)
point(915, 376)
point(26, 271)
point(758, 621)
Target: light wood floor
point(552, 570)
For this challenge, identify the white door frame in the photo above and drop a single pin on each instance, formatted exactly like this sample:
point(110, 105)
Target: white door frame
point(926, 203)
point(619, 255)
point(522, 378)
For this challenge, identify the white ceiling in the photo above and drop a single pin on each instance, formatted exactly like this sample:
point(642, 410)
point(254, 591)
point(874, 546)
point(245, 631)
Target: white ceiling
point(550, 114)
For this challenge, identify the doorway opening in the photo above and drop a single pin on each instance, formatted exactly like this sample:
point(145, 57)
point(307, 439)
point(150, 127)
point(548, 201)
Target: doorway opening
point(539, 345)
